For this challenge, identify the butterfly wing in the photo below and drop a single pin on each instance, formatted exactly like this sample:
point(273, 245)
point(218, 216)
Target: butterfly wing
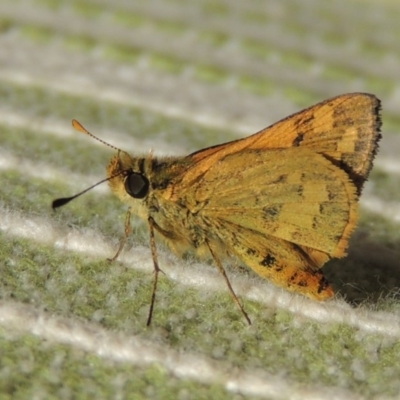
point(284, 200)
point(346, 129)
point(283, 212)
point(283, 263)
point(291, 194)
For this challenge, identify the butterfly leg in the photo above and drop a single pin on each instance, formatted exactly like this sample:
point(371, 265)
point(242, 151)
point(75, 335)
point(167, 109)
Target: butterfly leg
point(128, 231)
point(223, 272)
point(157, 269)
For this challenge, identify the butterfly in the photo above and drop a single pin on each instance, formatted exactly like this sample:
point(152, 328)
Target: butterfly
point(283, 201)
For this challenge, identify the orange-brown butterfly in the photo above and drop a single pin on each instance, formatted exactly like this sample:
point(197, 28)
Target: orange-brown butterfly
point(283, 201)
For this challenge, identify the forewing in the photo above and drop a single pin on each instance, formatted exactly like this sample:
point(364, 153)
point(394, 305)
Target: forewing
point(293, 194)
point(345, 128)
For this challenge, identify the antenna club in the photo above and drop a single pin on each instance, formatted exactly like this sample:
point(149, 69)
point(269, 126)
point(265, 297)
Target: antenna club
point(78, 126)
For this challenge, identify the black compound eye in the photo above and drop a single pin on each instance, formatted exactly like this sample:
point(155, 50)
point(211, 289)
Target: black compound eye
point(137, 185)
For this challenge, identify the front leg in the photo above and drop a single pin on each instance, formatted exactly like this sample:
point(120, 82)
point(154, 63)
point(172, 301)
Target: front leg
point(128, 231)
point(152, 225)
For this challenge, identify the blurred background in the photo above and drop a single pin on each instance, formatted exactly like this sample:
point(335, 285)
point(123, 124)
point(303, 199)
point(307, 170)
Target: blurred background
point(176, 76)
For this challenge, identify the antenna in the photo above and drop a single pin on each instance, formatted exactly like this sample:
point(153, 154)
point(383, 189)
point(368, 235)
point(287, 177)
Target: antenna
point(65, 200)
point(80, 128)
